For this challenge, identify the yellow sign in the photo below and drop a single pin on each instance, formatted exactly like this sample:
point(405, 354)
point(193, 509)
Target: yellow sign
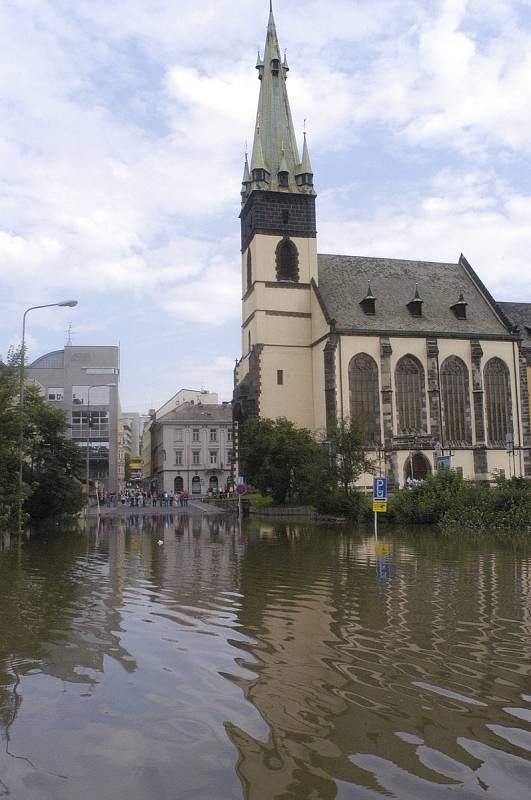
point(379, 506)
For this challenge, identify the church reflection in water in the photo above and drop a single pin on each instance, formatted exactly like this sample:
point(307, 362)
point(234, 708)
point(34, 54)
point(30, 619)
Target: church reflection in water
point(327, 659)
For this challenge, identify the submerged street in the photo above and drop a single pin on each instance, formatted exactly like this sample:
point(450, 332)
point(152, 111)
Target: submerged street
point(173, 656)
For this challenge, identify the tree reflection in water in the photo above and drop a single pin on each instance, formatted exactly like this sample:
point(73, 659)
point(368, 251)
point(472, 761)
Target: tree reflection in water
point(334, 665)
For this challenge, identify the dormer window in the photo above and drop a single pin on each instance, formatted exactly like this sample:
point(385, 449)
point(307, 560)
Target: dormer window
point(260, 175)
point(275, 66)
point(368, 303)
point(459, 308)
point(415, 306)
point(283, 179)
point(305, 179)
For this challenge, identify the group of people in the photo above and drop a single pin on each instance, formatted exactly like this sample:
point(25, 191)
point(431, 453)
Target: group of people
point(143, 499)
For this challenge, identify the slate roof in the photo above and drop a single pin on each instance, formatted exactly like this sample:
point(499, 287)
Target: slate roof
point(520, 315)
point(198, 414)
point(343, 283)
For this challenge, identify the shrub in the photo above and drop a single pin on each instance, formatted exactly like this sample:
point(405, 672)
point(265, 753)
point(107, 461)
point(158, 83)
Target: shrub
point(355, 505)
point(457, 505)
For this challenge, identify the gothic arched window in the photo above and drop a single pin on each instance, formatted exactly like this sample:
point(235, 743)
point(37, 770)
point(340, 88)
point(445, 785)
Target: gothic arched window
point(365, 396)
point(455, 402)
point(287, 258)
point(249, 270)
point(498, 401)
point(410, 395)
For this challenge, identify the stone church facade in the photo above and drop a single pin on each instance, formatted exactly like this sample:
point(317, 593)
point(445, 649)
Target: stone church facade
point(418, 352)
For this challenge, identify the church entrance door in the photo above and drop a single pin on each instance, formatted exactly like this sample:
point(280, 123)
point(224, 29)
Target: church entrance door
point(417, 467)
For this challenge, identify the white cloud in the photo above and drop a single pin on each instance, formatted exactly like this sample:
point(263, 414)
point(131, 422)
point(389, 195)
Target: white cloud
point(123, 126)
point(473, 213)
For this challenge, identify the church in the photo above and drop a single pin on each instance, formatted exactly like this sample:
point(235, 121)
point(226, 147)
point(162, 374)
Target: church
point(419, 353)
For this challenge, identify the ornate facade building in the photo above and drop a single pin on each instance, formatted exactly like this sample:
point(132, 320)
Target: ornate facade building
point(418, 352)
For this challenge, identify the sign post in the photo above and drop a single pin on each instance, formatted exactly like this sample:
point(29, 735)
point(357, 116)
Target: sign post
point(241, 489)
point(379, 500)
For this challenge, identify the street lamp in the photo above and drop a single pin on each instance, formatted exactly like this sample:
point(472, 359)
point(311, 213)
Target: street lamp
point(62, 304)
point(87, 465)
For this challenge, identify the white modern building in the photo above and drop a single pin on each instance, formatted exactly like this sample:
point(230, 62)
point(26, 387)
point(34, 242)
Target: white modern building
point(83, 381)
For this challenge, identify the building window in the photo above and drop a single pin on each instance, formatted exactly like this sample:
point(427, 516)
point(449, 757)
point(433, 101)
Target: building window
point(229, 435)
point(213, 457)
point(195, 458)
point(455, 402)
point(365, 397)
point(195, 434)
point(56, 395)
point(230, 456)
point(249, 270)
point(410, 395)
point(97, 451)
point(280, 377)
point(213, 434)
point(178, 434)
point(287, 259)
point(498, 401)
point(99, 395)
point(102, 371)
point(99, 425)
point(178, 457)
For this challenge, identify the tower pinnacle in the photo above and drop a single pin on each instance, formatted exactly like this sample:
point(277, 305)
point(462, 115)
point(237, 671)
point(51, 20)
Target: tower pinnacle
point(275, 160)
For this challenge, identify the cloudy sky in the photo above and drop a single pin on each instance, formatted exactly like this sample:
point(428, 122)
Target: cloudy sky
point(123, 126)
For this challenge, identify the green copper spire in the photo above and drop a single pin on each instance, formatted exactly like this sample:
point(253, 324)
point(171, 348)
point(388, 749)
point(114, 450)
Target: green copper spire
point(275, 145)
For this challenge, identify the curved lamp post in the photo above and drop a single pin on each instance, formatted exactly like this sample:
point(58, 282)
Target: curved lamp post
point(62, 304)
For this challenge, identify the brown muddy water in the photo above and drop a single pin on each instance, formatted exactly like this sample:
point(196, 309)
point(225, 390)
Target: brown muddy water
point(285, 661)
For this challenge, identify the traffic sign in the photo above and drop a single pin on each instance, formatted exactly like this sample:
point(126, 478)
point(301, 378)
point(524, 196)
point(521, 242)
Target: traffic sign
point(379, 506)
point(240, 480)
point(379, 491)
point(241, 489)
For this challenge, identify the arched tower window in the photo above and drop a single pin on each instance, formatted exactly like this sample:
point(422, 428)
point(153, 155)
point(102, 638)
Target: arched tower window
point(249, 270)
point(365, 396)
point(287, 257)
point(498, 397)
point(455, 402)
point(410, 395)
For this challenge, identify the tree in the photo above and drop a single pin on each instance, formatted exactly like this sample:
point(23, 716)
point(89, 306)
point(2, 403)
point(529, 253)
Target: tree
point(51, 462)
point(348, 453)
point(9, 438)
point(283, 460)
point(127, 467)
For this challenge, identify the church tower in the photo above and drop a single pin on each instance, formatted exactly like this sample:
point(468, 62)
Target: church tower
point(279, 257)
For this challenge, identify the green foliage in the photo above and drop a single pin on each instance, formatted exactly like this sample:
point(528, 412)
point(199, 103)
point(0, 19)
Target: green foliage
point(356, 505)
point(347, 454)
point(9, 439)
point(258, 500)
point(127, 467)
point(50, 460)
point(284, 461)
point(460, 506)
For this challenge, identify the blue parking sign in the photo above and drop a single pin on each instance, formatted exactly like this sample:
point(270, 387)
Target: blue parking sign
point(379, 489)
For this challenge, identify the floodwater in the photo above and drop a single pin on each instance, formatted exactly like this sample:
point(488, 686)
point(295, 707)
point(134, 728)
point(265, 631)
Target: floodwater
point(181, 658)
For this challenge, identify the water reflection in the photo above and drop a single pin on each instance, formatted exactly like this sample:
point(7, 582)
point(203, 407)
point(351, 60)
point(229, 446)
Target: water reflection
point(148, 653)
